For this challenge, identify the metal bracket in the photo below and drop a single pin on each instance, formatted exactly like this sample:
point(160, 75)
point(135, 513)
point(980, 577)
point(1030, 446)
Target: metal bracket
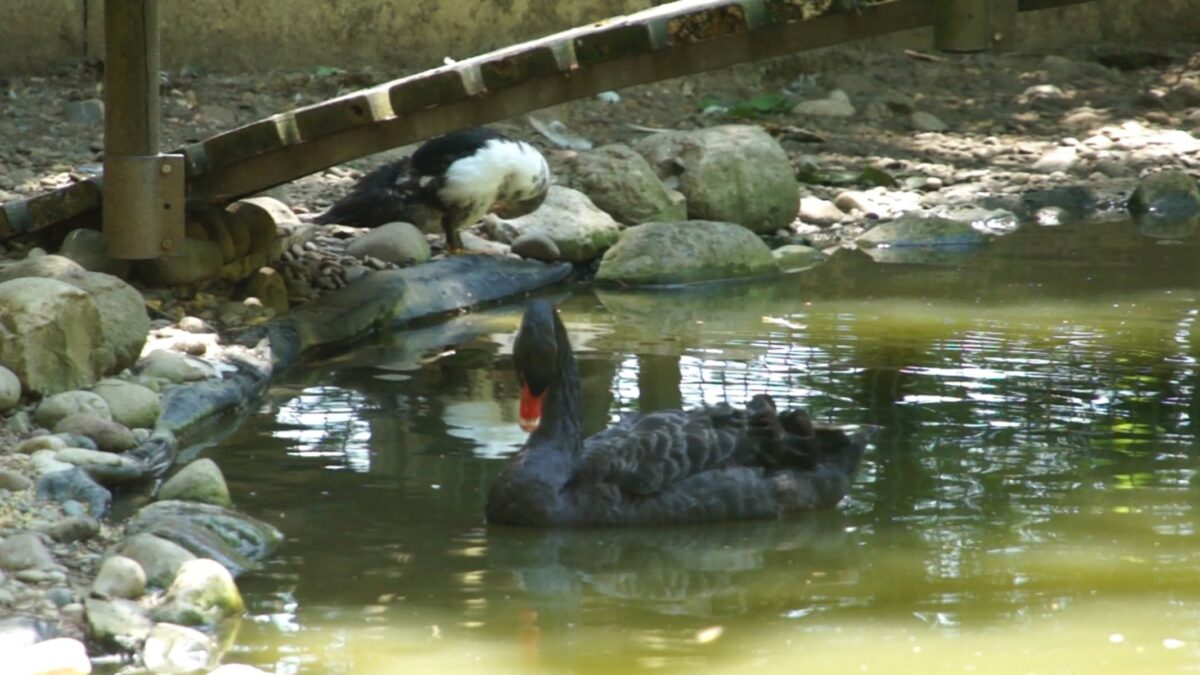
point(143, 208)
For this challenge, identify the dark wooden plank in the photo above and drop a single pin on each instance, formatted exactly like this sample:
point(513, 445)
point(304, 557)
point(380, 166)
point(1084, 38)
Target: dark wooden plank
point(339, 114)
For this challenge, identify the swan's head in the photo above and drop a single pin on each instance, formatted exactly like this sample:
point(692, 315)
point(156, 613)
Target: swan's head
point(535, 353)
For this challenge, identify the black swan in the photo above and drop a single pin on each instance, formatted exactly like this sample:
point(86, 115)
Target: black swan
point(716, 463)
point(454, 179)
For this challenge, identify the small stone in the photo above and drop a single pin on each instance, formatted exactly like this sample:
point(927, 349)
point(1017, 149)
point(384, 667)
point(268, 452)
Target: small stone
point(220, 115)
point(173, 367)
point(924, 121)
point(820, 211)
point(56, 407)
point(45, 442)
point(199, 481)
point(59, 656)
point(1062, 158)
point(88, 112)
point(60, 596)
point(74, 528)
point(108, 435)
point(45, 462)
point(160, 559)
point(400, 243)
point(106, 468)
point(269, 287)
point(11, 480)
point(796, 257)
point(24, 551)
point(836, 105)
point(75, 509)
point(120, 577)
point(176, 649)
point(75, 485)
point(536, 246)
point(119, 623)
point(10, 389)
point(132, 405)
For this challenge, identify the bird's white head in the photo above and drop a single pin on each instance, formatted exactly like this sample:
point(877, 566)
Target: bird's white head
point(525, 187)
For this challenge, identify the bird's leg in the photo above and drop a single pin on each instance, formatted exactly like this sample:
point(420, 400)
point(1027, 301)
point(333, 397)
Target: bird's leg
point(454, 245)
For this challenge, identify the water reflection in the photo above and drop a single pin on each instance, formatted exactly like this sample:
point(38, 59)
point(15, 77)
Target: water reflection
point(1030, 503)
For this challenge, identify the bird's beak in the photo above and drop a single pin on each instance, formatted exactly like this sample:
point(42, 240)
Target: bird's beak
point(531, 410)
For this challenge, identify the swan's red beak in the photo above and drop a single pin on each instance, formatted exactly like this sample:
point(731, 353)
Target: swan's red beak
point(531, 409)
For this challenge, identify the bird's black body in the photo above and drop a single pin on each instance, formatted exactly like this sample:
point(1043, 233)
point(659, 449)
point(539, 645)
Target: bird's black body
point(452, 180)
point(710, 464)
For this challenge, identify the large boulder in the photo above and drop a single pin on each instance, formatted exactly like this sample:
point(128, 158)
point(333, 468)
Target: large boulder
point(569, 219)
point(50, 334)
point(623, 184)
point(124, 322)
point(203, 592)
point(733, 173)
point(235, 540)
point(666, 254)
point(1167, 193)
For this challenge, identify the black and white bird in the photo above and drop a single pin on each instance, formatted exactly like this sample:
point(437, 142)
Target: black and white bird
point(455, 179)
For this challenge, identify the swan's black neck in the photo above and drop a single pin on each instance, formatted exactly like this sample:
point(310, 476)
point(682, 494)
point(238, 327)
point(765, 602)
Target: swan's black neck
point(562, 407)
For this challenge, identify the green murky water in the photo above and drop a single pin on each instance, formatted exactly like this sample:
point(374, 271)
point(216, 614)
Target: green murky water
point(1030, 503)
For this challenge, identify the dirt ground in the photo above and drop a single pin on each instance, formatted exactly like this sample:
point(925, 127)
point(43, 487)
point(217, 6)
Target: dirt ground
point(936, 128)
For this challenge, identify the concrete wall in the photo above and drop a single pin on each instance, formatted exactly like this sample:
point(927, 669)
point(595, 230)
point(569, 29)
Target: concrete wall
point(403, 36)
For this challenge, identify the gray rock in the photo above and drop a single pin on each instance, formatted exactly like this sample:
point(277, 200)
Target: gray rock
point(10, 389)
point(837, 104)
point(659, 254)
point(569, 219)
point(19, 423)
point(120, 577)
point(109, 436)
point(160, 559)
point(51, 336)
point(58, 656)
point(174, 367)
point(11, 480)
point(75, 509)
point(74, 440)
point(54, 408)
point(124, 322)
point(132, 405)
point(88, 112)
point(106, 468)
point(820, 211)
point(200, 260)
point(399, 243)
point(199, 481)
point(1171, 192)
point(88, 248)
point(74, 484)
point(202, 593)
point(622, 183)
point(72, 529)
point(796, 257)
point(231, 538)
point(177, 649)
point(118, 623)
point(1063, 158)
point(43, 442)
point(536, 246)
point(476, 244)
point(25, 551)
point(921, 231)
point(735, 173)
point(920, 120)
point(46, 462)
point(60, 596)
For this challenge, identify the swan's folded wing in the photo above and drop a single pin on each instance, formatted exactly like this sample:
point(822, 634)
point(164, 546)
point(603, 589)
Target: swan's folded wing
point(658, 450)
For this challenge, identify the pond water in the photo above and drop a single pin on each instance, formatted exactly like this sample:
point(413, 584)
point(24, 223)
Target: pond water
point(1029, 503)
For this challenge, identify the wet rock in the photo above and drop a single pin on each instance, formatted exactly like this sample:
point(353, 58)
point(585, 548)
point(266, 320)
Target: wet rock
point(124, 323)
point(837, 104)
point(920, 120)
point(74, 484)
point(200, 260)
point(1059, 159)
point(119, 577)
point(797, 257)
point(50, 337)
point(88, 112)
point(569, 219)
point(269, 287)
point(59, 656)
point(88, 248)
point(536, 246)
point(10, 389)
point(200, 481)
point(177, 649)
point(233, 539)
point(921, 231)
point(25, 551)
point(658, 254)
point(108, 435)
point(131, 405)
point(202, 593)
point(118, 623)
point(620, 182)
point(1171, 192)
point(174, 367)
point(54, 408)
point(399, 243)
point(160, 559)
point(72, 529)
point(820, 211)
point(11, 480)
point(106, 468)
point(733, 173)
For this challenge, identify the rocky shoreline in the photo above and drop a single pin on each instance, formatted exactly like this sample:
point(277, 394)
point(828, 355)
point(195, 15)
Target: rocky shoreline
point(107, 379)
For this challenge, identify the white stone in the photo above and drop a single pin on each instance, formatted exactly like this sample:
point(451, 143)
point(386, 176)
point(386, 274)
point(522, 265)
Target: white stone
point(120, 577)
point(60, 656)
point(171, 648)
